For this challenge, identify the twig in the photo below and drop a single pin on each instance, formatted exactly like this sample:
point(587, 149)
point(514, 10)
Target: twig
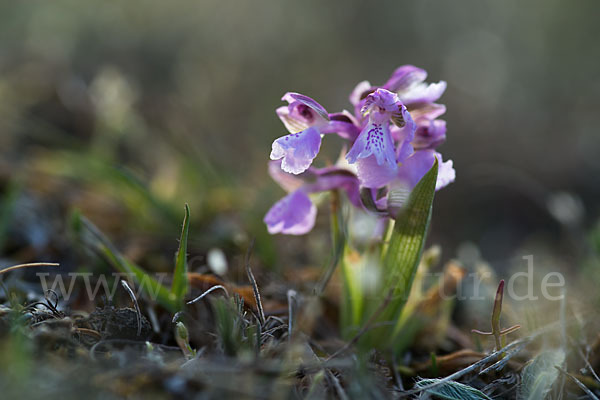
point(585, 359)
point(578, 382)
point(329, 375)
point(89, 332)
point(212, 289)
point(259, 307)
point(500, 364)
point(28, 265)
point(492, 357)
point(396, 374)
point(337, 385)
point(291, 296)
point(138, 312)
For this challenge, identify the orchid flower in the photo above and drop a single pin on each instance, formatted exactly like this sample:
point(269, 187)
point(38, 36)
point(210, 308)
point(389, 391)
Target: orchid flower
point(307, 121)
point(374, 148)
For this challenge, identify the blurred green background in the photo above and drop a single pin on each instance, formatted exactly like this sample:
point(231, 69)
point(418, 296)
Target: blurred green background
point(127, 110)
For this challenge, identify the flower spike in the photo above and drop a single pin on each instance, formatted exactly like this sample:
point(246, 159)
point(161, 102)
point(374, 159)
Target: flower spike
point(392, 135)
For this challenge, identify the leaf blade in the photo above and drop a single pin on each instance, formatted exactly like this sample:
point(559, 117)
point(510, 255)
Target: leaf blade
point(407, 241)
point(180, 283)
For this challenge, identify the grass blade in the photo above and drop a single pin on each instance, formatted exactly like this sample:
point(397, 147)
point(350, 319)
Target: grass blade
point(179, 287)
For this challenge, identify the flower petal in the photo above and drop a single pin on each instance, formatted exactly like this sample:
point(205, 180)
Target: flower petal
point(292, 97)
point(360, 92)
point(416, 166)
point(289, 182)
point(446, 173)
point(344, 124)
point(404, 126)
point(429, 134)
point(374, 140)
point(423, 93)
point(297, 150)
point(426, 110)
point(301, 113)
point(404, 78)
point(381, 100)
point(291, 122)
point(336, 178)
point(405, 150)
point(372, 175)
point(295, 214)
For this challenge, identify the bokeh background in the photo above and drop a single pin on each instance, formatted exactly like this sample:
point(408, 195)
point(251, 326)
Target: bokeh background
point(127, 110)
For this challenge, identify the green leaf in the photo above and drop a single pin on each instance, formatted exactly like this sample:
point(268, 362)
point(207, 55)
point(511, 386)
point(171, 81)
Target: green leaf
point(179, 287)
point(452, 390)
point(538, 377)
point(406, 244)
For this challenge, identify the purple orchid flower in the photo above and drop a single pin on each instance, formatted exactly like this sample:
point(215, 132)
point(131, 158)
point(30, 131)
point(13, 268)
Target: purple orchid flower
point(393, 135)
point(374, 148)
point(307, 121)
point(295, 214)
